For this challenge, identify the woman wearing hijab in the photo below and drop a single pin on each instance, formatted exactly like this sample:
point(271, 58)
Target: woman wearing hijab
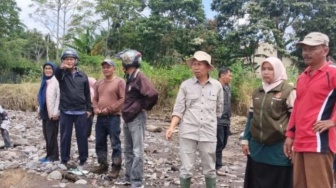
point(264, 135)
point(49, 99)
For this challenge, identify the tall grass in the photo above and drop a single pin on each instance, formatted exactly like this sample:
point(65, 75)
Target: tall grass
point(19, 96)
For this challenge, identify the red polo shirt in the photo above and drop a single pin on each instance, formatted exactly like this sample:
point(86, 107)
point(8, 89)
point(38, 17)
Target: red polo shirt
point(315, 101)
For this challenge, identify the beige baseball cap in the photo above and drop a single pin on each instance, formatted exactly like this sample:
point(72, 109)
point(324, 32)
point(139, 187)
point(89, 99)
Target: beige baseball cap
point(314, 39)
point(200, 56)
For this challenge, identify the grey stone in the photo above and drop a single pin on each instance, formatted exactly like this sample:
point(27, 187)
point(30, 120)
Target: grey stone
point(55, 175)
point(81, 181)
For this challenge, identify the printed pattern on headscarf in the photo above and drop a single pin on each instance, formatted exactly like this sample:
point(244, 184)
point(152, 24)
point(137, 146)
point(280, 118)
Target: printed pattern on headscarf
point(280, 73)
point(43, 88)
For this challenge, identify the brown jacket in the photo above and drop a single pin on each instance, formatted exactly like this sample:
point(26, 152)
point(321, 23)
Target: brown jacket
point(140, 95)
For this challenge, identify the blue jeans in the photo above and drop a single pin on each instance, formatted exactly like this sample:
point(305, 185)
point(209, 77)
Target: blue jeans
point(66, 127)
point(108, 126)
point(134, 136)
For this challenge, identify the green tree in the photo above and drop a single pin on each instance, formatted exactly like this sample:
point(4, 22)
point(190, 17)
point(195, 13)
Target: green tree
point(321, 18)
point(55, 16)
point(9, 18)
point(173, 31)
point(255, 21)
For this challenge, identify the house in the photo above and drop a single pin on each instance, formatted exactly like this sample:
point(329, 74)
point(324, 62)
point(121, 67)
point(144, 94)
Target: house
point(268, 50)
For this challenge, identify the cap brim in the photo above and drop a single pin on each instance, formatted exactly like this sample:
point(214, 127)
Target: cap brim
point(308, 43)
point(190, 60)
point(104, 62)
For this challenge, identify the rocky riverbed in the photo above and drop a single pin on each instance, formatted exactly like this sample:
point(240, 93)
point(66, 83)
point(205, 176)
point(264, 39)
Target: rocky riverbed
point(20, 166)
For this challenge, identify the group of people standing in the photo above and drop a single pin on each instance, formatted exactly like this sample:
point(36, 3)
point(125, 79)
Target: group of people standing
point(290, 134)
point(289, 138)
point(65, 100)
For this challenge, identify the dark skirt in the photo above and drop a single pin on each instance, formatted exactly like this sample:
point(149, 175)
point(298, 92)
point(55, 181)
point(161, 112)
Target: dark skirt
point(261, 175)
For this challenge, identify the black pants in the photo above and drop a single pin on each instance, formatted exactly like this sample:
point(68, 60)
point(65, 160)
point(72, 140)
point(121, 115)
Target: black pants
point(89, 124)
point(108, 127)
point(50, 133)
point(222, 137)
point(67, 123)
point(261, 175)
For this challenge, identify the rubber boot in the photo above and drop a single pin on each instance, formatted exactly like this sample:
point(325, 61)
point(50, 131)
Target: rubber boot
point(185, 182)
point(210, 182)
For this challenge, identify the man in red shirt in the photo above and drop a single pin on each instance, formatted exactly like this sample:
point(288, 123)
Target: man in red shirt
point(310, 141)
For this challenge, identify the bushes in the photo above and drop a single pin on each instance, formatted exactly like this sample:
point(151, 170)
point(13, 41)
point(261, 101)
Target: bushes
point(166, 80)
point(242, 85)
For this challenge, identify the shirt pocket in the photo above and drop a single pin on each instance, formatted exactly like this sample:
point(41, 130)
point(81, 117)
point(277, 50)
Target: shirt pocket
point(191, 100)
point(211, 102)
point(276, 108)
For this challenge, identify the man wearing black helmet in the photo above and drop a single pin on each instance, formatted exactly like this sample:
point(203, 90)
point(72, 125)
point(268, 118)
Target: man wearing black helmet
point(75, 105)
point(140, 96)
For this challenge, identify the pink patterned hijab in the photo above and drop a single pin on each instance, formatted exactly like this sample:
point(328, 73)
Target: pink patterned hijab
point(279, 73)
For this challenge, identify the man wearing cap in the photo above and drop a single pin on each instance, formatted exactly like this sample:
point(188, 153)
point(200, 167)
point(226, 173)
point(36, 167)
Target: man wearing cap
point(199, 103)
point(311, 131)
point(108, 101)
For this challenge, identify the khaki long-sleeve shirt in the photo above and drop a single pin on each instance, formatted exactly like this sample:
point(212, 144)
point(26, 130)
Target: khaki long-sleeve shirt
point(198, 107)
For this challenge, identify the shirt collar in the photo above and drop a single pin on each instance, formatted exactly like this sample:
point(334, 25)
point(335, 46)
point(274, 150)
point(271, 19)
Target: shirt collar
point(210, 80)
point(321, 69)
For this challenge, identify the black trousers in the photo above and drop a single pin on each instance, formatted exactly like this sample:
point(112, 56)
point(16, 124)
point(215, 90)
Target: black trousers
point(89, 124)
point(222, 137)
point(261, 175)
point(50, 133)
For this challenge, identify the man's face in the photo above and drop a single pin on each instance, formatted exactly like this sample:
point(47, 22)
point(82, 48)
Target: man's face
point(69, 61)
point(226, 77)
point(200, 68)
point(108, 70)
point(314, 54)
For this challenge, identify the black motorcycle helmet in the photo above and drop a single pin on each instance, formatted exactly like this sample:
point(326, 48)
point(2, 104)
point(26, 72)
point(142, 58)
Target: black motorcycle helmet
point(70, 52)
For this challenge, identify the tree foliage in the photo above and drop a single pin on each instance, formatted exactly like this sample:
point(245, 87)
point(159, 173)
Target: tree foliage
point(9, 18)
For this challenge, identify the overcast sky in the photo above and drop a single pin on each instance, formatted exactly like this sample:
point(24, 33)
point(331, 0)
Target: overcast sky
point(31, 24)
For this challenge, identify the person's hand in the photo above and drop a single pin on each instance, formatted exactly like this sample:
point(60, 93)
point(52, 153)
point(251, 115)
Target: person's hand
point(169, 133)
point(104, 111)
point(55, 118)
point(287, 148)
point(88, 114)
point(96, 111)
point(65, 65)
point(321, 126)
point(245, 149)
